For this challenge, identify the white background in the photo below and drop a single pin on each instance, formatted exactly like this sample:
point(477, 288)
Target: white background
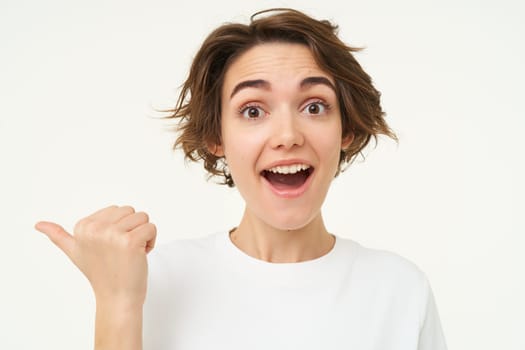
point(79, 85)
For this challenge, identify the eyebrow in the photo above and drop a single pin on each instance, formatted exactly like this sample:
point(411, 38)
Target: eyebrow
point(312, 81)
point(263, 84)
point(259, 83)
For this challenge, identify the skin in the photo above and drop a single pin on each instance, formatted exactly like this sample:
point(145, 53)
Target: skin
point(290, 122)
point(273, 119)
point(110, 247)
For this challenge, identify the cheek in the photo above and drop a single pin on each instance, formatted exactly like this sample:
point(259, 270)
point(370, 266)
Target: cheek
point(332, 152)
point(327, 142)
point(241, 147)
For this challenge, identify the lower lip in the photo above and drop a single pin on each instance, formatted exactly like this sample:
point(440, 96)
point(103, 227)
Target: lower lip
point(290, 193)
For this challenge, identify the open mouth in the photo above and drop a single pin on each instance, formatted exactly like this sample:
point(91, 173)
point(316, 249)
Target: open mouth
point(288, 177)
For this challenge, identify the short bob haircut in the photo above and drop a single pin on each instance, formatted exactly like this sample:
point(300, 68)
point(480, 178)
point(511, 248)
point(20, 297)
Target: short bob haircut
point(198, 107)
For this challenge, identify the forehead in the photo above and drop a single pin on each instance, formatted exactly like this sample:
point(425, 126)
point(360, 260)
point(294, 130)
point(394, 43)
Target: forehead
point(274, 62)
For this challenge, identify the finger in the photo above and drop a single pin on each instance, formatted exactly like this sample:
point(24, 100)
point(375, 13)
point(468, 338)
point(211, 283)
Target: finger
point(132, 221)
point(103, 210)
point(145, 236)
point(119, 213)
point(151, 243)
point(111, 214)
point(57, 235)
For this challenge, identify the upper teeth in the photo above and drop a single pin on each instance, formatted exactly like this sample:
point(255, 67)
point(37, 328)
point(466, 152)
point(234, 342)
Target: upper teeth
point(289, 169)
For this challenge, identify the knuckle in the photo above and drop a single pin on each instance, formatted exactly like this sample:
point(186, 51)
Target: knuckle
point(134, 240)
point(153, 227)
point(146, 229)
point(120, 241)
point(93, 226)
point(127, 242)
point(143, 216)
point(114, 227)
point(79, 226)
point(127, 209)
point(84, 225)
point(106, 210)
point(150, 227)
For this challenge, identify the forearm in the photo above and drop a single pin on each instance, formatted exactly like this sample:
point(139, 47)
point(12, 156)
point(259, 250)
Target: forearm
point(118, 328)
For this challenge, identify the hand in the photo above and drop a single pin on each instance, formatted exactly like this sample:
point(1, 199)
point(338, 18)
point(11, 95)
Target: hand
point(110, 248)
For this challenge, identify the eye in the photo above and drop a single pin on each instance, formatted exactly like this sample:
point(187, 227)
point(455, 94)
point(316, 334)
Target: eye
point(317, 107)
point(252, 112)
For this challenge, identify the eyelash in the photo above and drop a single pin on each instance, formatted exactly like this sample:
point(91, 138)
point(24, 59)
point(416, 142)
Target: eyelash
point(325, 105)
point(246, 107)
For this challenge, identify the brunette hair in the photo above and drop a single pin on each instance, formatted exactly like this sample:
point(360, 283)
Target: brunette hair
point(198, 108)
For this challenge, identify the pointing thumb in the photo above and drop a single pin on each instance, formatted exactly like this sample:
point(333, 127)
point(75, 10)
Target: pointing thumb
point(57, 235)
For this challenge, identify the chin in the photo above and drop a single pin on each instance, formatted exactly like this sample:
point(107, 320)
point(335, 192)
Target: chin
point(291, 222)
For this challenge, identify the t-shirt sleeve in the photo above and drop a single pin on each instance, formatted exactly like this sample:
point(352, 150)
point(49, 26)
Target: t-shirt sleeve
point(431, 335)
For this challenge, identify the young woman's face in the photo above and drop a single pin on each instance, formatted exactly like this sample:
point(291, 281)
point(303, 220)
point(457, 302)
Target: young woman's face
point(281, 133)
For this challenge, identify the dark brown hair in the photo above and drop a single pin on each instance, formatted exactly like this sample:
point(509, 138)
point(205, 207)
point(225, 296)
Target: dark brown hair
point(198, 108)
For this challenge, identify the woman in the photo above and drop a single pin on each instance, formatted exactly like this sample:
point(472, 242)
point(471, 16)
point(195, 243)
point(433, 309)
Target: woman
point(276, 108)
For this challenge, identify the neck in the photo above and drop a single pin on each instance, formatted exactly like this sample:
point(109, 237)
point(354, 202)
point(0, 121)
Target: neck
point(265, 242)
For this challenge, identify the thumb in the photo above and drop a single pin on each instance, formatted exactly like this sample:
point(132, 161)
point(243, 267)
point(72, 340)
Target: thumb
point(57, 235)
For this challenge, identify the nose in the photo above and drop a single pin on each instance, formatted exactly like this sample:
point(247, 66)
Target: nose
point(286, 130)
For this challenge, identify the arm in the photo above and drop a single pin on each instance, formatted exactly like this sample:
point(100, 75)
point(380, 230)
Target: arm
point(110, 248)
point(118, 327)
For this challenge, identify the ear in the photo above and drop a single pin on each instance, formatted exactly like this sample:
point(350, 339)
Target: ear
point(347, 141)
point(216, 150)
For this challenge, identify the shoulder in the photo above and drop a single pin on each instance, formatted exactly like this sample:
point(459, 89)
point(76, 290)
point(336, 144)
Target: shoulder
point(386, 269)
point(378, 261)
point(395, 280)
point(399, 289)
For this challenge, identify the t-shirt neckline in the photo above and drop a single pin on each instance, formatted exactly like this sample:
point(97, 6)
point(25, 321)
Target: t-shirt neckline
point(240, 255)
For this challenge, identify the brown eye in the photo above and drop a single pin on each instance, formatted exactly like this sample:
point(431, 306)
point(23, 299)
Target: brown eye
point(252, 112)
point(316, 108)
point(313, 109)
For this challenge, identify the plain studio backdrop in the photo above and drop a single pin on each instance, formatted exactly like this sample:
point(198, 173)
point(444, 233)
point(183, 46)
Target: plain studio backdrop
point(80, 83)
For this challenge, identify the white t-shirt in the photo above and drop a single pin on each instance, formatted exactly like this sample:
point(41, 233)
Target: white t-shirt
point(206, 293)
